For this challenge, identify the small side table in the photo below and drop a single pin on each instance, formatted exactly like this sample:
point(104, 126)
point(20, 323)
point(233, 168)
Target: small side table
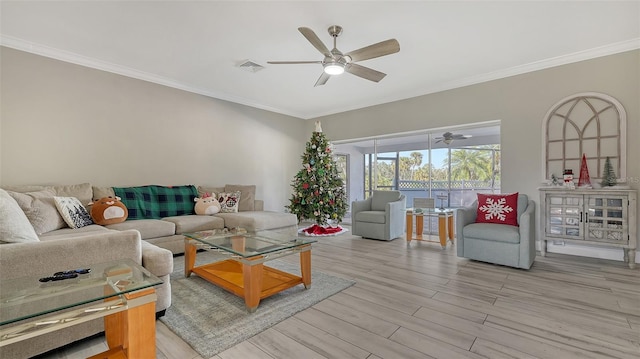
point(120, 291)
point(445, 225)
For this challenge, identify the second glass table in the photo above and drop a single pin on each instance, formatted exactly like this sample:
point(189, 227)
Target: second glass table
point(243, 273)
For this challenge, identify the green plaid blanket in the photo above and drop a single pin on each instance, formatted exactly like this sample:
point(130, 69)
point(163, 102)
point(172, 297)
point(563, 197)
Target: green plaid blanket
point(157, 201)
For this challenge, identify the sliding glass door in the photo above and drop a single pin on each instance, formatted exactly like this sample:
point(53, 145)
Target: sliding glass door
point(427, 164)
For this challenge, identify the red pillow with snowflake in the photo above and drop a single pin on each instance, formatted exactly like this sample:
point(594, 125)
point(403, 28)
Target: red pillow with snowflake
point(498, 208)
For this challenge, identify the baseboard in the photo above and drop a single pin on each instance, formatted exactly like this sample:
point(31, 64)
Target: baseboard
point(615, 254)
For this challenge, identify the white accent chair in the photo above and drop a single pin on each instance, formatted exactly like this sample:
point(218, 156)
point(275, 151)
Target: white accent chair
point(381, 216)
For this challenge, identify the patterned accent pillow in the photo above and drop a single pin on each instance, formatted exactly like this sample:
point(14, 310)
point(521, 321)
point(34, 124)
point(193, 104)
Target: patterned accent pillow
point(498, 208)
point(73, 212)
point(229, 201)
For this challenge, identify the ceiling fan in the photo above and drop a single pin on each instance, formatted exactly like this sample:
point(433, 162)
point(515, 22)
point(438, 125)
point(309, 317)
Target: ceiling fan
point(448, 137)
point(335, 62)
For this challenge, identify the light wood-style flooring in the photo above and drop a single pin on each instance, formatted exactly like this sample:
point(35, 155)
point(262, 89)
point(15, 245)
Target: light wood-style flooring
point(424, 302)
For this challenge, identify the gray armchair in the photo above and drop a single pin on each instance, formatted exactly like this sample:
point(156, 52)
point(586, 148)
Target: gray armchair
point(381, 216)
point(498, 243)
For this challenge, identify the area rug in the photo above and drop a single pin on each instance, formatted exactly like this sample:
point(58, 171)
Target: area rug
point(211, 319)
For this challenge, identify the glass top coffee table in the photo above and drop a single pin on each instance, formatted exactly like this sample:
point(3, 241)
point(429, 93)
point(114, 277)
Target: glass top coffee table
point(243, 273)
point(445, 224)
point(120, 291)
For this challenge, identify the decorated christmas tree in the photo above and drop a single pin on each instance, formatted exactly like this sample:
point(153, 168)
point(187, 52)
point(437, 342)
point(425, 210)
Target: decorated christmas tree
point(318, 190)
point(608, 177)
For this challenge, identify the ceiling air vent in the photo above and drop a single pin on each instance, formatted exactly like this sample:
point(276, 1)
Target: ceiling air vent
point(250, 66)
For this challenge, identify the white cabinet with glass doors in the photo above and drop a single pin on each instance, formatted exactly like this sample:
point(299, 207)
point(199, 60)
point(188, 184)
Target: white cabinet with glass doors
point(604, 217)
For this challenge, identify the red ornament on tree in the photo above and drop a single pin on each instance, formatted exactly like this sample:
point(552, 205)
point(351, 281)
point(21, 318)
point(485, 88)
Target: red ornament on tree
point(305, 185)
point(585, 179)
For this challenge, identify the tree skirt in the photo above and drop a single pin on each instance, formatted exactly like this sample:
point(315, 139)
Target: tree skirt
point(322, 231)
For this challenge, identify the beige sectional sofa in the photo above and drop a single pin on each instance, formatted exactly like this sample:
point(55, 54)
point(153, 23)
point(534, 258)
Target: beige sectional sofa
point(24, 253)
point(167, 232)
point(150, 242)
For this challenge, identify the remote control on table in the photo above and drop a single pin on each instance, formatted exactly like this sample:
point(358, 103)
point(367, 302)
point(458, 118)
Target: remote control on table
point(59, 277)
point(77, 271)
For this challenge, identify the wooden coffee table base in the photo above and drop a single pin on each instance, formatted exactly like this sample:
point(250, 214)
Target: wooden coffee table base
point(252, 282)
point(445, 227)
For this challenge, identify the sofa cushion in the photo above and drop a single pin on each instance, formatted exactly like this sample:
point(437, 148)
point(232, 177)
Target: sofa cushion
point(258, 220)
point(70, 233)
point(195, 223)
point(41, 209)
point(148, 228)
point(73, 212)
point(100, 192)
point(370, 216)
point(379, 199)
point(157, 202)
point(247, 196)
point(492, 232)
point(14, 224)
point(83, 192)
point(498, 208)
point(209, 189)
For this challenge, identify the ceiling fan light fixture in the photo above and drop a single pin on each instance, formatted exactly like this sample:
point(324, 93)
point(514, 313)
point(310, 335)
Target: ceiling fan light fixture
point(448, 140)
point(333, 68)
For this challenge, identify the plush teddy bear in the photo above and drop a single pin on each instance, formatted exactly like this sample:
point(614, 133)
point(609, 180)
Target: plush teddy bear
point(108, 210)
point(207, 204)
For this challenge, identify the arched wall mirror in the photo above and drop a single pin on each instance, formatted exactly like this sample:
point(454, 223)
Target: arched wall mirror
point(590, 123)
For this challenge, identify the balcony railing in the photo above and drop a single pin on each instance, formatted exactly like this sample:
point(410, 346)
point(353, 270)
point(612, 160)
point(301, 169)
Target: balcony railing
point(461, 194)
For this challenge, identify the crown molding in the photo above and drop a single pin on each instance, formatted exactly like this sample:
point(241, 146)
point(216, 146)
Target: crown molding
point(66, 56)
point(610, 49)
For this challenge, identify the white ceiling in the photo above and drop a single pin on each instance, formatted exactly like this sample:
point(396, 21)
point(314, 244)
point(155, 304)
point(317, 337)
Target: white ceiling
point(196, 45)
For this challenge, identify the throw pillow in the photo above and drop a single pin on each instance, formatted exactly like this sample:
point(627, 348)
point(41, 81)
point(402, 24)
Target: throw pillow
point(247, 196)
point(14, 224)
point(229, 201)
point(207, 204)
point(108, 210)
point(73, 212)
point(41, 209)
point(498, 208)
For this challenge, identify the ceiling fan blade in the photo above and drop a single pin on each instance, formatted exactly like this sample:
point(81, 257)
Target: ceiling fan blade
point(383, 48)
point(322, 80)
point(315, 41)
point(293, 62)
point(365, 72)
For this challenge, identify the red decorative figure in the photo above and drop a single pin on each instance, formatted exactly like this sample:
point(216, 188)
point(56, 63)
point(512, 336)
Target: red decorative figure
point(584, 180)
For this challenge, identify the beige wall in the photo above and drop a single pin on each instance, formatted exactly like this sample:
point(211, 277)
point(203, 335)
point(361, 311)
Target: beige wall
point(520, 102)
point(63, 123)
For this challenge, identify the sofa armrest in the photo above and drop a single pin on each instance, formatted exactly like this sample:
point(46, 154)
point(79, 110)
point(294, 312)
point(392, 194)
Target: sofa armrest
point(359, 206)
point(528, 234)
point(158, 261)
point(396, 212)
point(356, 207)
point(258, 205)
point(35, 258)
point(464, 216)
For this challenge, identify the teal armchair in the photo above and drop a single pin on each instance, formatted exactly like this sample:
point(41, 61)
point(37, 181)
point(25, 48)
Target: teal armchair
point(381, 216)
point(498, 243)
